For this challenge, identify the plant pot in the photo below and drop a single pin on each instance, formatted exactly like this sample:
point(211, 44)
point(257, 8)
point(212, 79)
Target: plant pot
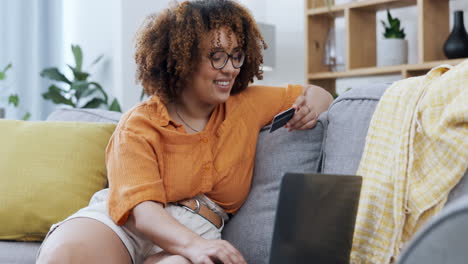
point(392, 52)
point(2, 112)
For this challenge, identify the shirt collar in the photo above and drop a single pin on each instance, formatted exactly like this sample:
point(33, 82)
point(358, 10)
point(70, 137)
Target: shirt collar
point(162, 115)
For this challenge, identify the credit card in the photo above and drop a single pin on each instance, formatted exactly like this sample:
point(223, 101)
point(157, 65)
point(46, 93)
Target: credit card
point(281, 119)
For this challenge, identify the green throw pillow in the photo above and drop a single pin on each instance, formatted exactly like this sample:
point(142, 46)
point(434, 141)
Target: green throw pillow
point(48, 170)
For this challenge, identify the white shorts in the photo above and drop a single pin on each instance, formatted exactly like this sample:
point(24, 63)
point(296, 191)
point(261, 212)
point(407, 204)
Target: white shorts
point(137, 245)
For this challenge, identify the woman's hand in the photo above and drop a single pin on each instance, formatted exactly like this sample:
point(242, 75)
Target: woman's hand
point(313, 101)
point(203, 251)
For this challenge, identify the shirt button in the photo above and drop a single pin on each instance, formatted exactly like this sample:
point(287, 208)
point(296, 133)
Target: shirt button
point(204, 140)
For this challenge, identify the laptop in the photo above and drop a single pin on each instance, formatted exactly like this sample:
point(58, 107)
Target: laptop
point(315, 218)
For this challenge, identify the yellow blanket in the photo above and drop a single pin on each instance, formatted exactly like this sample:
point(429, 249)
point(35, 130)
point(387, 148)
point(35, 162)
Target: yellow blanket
point(416, 152)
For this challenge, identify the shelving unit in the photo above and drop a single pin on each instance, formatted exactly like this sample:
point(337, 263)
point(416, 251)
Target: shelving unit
point(361, 38)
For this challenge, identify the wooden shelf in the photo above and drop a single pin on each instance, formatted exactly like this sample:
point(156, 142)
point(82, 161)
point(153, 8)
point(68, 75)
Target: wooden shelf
point(373, 5)
point(361, 38)
point(396, 69)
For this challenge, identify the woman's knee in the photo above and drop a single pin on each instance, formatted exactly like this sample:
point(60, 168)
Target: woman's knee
point(83, 240)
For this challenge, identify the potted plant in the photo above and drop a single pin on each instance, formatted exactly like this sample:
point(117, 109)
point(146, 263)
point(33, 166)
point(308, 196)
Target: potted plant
point(78, 92)
point(12, 98)
point(393, 49)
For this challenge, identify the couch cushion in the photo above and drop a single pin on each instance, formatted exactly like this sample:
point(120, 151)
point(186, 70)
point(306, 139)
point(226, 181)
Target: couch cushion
point(250, 230)
point(84, 115)
point(13, 252)
point(348, 120)
point(48, 170)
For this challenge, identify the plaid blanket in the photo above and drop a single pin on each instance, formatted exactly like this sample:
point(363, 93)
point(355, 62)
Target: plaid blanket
point(416, 151)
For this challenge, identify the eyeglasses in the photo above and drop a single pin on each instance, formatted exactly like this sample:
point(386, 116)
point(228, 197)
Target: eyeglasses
point(219, 59)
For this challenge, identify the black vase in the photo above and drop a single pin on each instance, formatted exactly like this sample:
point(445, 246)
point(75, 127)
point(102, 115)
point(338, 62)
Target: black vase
point(456, 45)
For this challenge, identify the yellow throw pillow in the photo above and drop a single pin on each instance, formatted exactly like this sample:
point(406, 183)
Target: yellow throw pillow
point(48, 170)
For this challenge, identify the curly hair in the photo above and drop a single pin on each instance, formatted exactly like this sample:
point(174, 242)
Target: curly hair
point(167, 45)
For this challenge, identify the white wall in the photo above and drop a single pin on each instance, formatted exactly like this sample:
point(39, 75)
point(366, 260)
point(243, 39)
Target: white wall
point(92, 25)
point(133, 14)
point(288, 18)
point(108, 27)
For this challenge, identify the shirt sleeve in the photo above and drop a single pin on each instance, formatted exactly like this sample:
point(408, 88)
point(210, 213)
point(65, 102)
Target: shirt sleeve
point(267, 101)
point(133, 174)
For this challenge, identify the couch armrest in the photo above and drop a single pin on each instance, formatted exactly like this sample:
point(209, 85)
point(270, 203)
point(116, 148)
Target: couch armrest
point(443, 240)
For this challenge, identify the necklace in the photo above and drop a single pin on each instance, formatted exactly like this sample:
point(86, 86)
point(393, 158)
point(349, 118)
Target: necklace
point(183, 121)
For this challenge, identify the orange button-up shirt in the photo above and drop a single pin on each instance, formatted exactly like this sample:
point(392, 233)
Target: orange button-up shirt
point(150, 157)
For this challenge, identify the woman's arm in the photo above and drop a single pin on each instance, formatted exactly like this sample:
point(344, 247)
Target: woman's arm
point(313, 101)
point(151, 219)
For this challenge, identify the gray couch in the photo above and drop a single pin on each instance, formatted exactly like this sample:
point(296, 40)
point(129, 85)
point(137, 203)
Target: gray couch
point(335, 145)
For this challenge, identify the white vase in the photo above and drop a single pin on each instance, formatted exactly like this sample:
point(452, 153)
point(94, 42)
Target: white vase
point(392, 52)
point(342, 2)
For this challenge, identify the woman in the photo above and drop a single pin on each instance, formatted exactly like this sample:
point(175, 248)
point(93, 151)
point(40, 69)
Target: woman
point(181, 161)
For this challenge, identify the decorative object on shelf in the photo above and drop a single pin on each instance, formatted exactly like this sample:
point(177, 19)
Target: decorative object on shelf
point(342, 2)
point(456, 45)
point(79, 93)
point(393, 49)
point(12, 98)
point(331, 57)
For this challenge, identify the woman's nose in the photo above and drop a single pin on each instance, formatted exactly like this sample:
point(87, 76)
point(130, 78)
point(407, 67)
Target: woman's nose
point(229, 68)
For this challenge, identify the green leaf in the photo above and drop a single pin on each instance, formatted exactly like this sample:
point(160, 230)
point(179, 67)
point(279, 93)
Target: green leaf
point(55, 94)
point(99, 87)
point(79, 75)
point(393, 29)
point(89, 92)
point(7, 67)
point(115, 106)
point(142, 95)
point(97, 59)
point(383, 24)
point(54, 74)
point(78, 54)
point(3, 73)
point(14, 100)
point(396, 25)
point(94, 103)
point(26, 116)
point(80, 87)
point(402, 34)
point(389, 16)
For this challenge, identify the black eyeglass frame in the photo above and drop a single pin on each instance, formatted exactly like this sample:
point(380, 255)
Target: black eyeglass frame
point(229, 56)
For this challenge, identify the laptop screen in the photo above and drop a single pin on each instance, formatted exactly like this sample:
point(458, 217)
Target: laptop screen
point(315, 218)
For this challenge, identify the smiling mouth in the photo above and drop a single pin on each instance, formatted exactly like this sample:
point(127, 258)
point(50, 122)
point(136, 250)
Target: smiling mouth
point(222, 83)
point(223, 86)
